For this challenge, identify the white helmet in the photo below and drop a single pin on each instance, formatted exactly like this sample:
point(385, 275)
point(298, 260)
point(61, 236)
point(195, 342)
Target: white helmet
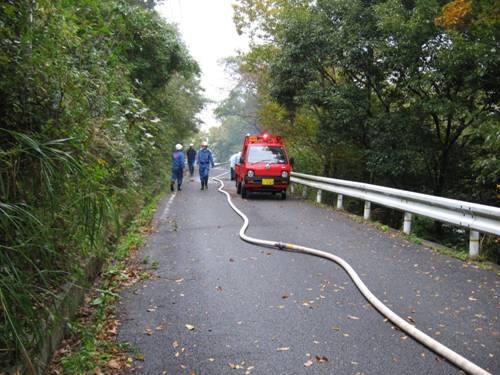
point(178, 146)
point(191, 144)
point(204, 143)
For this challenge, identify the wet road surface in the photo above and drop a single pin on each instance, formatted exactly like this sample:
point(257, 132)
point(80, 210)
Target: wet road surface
point(218, 305)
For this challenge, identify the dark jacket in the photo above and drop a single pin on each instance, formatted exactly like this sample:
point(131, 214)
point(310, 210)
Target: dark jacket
point(191, 154)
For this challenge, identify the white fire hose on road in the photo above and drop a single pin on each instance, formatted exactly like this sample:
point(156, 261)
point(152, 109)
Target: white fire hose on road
point(453, 357)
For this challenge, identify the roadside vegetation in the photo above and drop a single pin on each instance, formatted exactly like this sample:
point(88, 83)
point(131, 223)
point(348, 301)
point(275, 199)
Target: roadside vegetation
point(91, 345)
point(93, 94)
point(394, 93)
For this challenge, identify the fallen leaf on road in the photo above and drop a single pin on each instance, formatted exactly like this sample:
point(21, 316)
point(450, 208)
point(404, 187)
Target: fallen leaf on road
point(352, 317)
point(308, 363)
point(149, 331)
point(321, 359)
point(175, 344)
point(114, 364)
point(179, 280)
point(189, 327)
point(211, 359)
point(284, 349)
point(234, 366)
point(139, 357)
point(410, 319)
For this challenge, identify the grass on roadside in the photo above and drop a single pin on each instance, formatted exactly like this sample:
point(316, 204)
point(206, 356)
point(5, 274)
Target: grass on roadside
point(91, 346)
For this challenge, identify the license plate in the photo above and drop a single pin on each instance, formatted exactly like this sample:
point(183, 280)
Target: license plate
point(268, 181)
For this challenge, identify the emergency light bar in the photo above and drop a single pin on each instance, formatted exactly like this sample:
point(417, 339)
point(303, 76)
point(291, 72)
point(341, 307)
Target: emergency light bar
point(263, 138)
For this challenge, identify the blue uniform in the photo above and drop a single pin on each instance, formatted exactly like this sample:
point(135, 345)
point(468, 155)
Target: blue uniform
point(205, 160)
point(177, 167)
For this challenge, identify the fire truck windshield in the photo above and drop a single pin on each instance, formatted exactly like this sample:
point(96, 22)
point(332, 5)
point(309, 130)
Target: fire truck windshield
point(266, 154)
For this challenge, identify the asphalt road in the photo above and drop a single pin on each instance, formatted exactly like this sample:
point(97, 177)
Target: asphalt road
point(221, 306)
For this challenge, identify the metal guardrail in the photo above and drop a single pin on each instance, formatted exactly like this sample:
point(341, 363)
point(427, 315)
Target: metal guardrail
point(475, 217)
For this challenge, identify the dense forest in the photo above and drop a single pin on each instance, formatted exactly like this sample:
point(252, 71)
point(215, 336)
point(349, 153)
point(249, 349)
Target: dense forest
point(93, 94)
point(395, 93)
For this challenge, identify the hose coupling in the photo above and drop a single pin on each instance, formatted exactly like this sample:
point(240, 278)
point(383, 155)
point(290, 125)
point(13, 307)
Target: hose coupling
point(281, 245)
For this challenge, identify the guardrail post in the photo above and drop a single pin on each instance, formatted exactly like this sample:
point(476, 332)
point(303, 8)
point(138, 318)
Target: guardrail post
point(292, 189)
point(407, 223)
point(473, 243)
point(368, 206)
point(304, 192)
point(318, 196)
point(340, 202)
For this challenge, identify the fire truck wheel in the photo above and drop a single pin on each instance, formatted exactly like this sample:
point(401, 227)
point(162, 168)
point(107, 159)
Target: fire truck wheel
point(238, 187)
point(244, 192)
point(283, 194)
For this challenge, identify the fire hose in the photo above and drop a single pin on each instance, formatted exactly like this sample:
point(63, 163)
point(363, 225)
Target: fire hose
point(442, 350)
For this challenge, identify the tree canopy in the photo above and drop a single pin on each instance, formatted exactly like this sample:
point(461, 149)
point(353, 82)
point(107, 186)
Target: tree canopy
point(398, 93)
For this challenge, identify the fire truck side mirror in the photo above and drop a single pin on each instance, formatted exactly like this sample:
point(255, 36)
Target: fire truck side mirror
point(292, 161)
point(241, 160)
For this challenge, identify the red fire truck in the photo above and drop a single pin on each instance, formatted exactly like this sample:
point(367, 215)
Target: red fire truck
point(263, 166)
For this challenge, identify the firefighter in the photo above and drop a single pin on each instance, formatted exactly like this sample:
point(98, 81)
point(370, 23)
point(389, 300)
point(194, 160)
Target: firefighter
point(205, 160)
point(191, 155)
point(177, 167)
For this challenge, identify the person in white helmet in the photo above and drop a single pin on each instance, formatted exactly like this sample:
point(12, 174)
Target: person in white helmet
point(191, 155)
point(177, 167)
point(205, 160)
